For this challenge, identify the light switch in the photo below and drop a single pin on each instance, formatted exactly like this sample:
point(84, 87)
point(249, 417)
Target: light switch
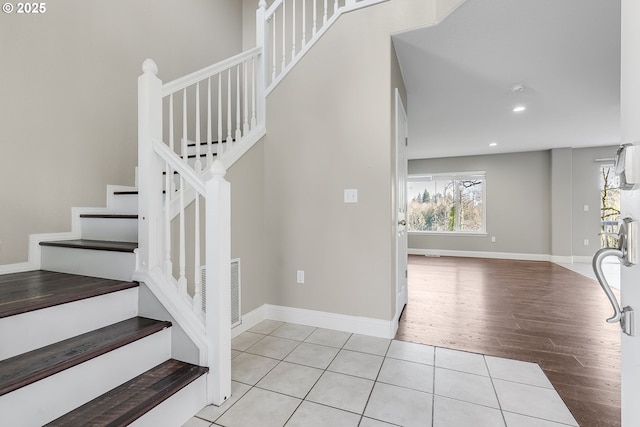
point(586, 208)
point(351, 195)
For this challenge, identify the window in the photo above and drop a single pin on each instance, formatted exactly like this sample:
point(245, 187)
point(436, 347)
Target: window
point(609, 206)
point(446, 203)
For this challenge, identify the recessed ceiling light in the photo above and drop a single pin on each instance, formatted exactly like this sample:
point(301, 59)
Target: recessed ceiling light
point(493, 144)
point(519, 108)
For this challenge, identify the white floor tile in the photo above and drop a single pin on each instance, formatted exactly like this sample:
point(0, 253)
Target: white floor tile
point(341, 391)
point(316, 356)
point(450, 412)
point(311, 414)
point(461, 361)
point(266, 327)
point(197, 422)
point(290, 379)
point(212, 412)
point(260, 408)
point(400, 406)
point(245, 340)
point(412, 352)
point(406, 374)
point(273, 347)
point(357, 364)
point(370, 422)
point(517, 371)
point(534, 401)
point(517, 420)
point(328, 337)
point(463, 386)
point(366, 344)
point(250, 368)
point(293, 332)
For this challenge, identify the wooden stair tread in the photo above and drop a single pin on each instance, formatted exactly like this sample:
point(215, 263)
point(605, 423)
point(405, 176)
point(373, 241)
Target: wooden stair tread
point(129, 401)
point(111, 216)
point(35, 290)
point(125, 193)
point(27, 368)
point(99, 245)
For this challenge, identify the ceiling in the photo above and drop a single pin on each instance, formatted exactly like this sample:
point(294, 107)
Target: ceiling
point(461, 72)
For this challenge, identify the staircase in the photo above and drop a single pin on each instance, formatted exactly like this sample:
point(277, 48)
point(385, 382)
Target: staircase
point(74, 350)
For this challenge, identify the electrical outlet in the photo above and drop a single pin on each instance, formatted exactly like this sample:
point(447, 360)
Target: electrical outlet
point(493, 239)
point(300, 276)
point(586, 242)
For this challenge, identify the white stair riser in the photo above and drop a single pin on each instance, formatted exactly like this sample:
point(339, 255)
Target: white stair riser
point(65, 321)
point(49, 398)
point(110, 229)
point(104, 264)
point(125, 204)
point(179, 408)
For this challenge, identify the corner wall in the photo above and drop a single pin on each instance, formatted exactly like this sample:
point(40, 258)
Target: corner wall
point(68, 99)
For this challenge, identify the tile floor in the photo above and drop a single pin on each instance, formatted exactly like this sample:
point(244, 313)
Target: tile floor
point(292, 375)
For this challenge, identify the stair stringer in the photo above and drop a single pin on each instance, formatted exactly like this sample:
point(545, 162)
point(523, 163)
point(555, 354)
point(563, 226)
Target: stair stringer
point(34, 261)
point(180, 309)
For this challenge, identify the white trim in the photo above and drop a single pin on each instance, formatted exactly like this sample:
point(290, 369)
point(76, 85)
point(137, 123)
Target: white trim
point(19, 267)
point(580, 259)
point(479, 254)
point(319, 319)
point(564, 259)
point(249, 320)
point(339, 322)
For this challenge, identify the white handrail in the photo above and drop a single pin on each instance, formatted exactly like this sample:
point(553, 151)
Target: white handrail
point(178, 165)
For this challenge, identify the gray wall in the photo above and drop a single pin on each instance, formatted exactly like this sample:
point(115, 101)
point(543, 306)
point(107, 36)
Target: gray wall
point(68, 99)
point(328, 129)
point(534, 200)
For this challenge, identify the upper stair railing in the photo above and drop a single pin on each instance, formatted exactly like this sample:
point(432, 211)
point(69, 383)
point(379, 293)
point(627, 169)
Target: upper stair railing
point(190, 131)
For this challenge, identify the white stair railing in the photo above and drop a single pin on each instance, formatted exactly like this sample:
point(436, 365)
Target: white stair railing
point(191, 130)
point(221, 100)
point(288, 29)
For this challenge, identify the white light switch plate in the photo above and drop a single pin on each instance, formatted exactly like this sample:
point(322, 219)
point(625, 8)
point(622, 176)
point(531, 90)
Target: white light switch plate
point(351, 195)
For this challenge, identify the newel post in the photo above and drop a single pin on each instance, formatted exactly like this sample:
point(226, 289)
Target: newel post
point(149, 166)
point(261, 71)
point(218, 292)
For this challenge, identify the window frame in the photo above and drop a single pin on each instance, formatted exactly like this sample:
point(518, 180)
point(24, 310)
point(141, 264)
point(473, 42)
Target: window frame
point(457, 176)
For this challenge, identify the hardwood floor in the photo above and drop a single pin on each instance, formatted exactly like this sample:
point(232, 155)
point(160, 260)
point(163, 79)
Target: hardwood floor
point(527, 310)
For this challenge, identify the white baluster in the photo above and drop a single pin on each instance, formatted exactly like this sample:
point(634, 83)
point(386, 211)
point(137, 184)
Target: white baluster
point(273, 27)
point(324, 16)
point(293, 31)
point(172, 183)
point(253, 93)
point(209, 134)
point(182, 279)
point(246, 99)
point(220, 146)
point(304, 23)
point(238, 118)
point(197, 296)
point(229, 125)
point(197, 164)
point(183, 145)
point(335, 6)
point(315, 18)
point(284, 38)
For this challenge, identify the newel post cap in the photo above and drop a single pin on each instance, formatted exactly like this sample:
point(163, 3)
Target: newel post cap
point(262, 4)
point(149, 66)
point(218, 171)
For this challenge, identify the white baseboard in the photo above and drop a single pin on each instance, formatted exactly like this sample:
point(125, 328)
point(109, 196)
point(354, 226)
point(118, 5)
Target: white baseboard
point(319, 319)
point(479, 254)
point(19, 267)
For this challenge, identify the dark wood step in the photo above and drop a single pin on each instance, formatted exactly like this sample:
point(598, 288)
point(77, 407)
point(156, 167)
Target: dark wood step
point(204, 144)
point(98, 245)
point(128, 402)
point(27, 368)
point(109, 216)
point(125, 193)
point(35, 290)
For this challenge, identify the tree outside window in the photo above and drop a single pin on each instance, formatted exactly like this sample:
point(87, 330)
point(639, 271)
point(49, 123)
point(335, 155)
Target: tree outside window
point(446, 203)
point(609, 206)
